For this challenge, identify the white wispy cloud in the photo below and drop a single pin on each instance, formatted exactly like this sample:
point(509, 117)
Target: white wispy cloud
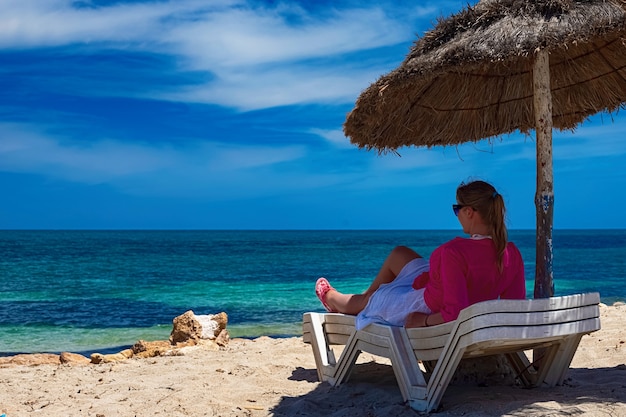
point(196, 169)
point(593, 139)
point(258, 56)
point(42, 23)
point(26, 149)
point(334, 136)
point(239, 37)
point(597, 137)
point(260, 88)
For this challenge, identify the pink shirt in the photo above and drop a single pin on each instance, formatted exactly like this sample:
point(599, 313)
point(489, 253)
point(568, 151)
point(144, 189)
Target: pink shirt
point(464, 272)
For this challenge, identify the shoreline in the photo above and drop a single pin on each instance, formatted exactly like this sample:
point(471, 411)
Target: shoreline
point(277, 376)
point(127, 338)
point(119, 347)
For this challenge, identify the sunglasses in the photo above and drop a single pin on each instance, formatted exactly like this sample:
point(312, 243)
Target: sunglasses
point(456, 208)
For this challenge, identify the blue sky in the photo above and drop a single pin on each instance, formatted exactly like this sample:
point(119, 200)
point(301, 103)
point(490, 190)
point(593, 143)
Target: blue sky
point(227, 114)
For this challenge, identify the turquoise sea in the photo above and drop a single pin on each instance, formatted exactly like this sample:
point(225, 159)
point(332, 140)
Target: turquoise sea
point(86, 291)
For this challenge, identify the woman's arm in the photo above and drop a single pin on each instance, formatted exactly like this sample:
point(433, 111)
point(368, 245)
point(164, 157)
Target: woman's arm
point(422, 320)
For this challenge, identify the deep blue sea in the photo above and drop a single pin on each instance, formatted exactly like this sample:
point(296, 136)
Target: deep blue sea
point(86, 291)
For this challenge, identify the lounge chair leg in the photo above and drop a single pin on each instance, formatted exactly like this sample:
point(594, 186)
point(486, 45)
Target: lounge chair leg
point(324, 356)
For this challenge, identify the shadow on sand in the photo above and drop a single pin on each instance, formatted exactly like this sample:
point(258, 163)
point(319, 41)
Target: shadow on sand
point(372, 391)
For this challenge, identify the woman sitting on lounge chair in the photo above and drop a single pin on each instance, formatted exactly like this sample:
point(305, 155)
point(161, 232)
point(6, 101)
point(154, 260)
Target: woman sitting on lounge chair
point(413, 292)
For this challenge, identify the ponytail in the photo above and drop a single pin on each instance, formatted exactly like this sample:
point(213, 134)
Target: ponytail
point(499, 234)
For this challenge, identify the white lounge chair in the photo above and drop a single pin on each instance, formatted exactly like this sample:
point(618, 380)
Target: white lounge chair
point(507, 327)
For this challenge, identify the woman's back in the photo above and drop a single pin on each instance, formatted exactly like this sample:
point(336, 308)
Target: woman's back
point(465, 271)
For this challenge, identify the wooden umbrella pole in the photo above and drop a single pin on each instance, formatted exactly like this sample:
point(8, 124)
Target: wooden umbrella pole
point(544, 197)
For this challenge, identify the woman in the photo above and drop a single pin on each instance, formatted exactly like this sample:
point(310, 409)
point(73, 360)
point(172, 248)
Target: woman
point(413, 292)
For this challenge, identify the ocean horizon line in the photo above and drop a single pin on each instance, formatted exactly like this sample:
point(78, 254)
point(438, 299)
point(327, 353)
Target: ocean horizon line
point(590, 229)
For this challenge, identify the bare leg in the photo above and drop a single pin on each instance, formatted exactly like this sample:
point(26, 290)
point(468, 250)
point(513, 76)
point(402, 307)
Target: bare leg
point(354, 303)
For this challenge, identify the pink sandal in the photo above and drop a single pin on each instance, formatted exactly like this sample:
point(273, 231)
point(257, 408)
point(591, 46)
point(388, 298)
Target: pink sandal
point(322, 286)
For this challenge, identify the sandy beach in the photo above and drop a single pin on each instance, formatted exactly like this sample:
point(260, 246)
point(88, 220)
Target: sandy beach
point(277, 377)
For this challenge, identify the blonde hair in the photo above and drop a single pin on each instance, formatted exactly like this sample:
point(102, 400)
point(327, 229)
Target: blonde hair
point(484, 198)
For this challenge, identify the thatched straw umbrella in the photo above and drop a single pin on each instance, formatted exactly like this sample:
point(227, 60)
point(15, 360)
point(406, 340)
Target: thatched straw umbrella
point(495, 68)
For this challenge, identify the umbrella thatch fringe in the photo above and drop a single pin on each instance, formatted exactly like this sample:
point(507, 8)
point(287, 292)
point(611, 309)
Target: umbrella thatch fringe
point(435, 89)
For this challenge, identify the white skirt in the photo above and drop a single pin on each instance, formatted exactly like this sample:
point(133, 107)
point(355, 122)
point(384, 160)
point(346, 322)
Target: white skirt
point(392, 303)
